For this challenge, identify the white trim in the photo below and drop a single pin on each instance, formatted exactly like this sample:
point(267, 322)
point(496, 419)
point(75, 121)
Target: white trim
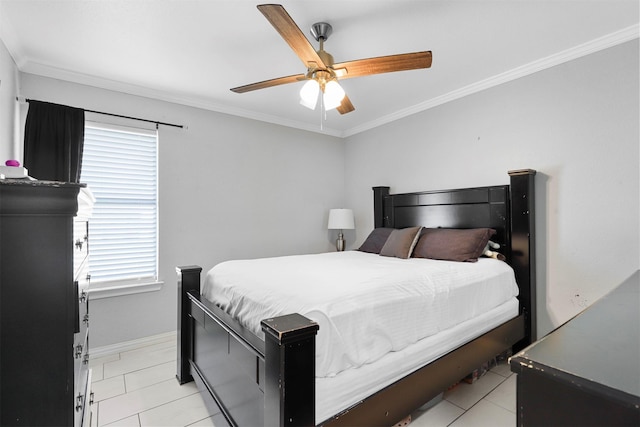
point(40, 69)
point(108, 350)
point(604, 42)
point(610, 40)
point(120, 290)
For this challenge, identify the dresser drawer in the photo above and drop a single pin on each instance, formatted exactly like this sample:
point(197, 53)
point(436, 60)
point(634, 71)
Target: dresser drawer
point(80, 244)
point(80, 352)
point(81, 305)
point(83, 401)
point(82, 373)
point(82, 383)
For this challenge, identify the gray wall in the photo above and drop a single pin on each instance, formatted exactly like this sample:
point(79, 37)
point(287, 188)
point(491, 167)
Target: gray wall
point(228, 188)
point(9, 78)
point(576, 124)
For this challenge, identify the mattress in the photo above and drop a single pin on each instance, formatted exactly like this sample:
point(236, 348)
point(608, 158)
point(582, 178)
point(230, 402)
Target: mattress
point(367, 306)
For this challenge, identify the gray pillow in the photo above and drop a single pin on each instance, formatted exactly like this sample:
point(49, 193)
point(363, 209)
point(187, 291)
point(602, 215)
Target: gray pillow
point(452, 244)
point(401, 242)
point(376, 240)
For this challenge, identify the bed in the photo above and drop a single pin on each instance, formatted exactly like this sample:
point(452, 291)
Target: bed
point(274, 371)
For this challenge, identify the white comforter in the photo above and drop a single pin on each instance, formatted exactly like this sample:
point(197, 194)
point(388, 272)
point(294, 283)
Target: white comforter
point(366, 305)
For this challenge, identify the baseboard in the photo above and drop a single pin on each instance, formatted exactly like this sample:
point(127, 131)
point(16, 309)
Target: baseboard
point(108, 350)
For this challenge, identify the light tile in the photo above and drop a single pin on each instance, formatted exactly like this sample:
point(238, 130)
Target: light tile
point(207, 422)
point(108, 388)
point(97, 372)
point(94, 361)
point(149, 348)
point(149, 376)
point(466, 395)
point(153, 397)
point(484, 414)
point(141, 400)
point(180, 412)
point(502, 369)
point(131, 421)
point(442, 414)
point(97, 365)
point(505, 394)
point(134, 361)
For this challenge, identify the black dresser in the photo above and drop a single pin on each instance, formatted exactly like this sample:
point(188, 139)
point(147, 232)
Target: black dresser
point(44, 374)
point(586, 372)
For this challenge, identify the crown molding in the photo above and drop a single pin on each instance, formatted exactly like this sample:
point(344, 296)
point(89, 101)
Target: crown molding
point(45, 70)
point(607, 41)
point(610, 40)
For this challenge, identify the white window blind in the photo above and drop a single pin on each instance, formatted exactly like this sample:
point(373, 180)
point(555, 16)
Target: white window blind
point(119, 165)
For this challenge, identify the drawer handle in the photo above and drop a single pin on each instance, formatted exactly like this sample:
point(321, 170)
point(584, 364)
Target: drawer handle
point(78, 351)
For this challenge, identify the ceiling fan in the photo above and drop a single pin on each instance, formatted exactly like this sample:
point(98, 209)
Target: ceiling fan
point(322, 73)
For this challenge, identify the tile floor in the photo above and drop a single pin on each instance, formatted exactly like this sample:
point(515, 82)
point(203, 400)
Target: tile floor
point(138, 388)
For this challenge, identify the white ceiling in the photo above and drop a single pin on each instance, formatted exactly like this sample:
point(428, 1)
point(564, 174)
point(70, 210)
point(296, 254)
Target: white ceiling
point(193, 51)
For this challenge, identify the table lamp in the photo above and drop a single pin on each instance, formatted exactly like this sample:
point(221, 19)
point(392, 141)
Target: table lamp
point(341, 219)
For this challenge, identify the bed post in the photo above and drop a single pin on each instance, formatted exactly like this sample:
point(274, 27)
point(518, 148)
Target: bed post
point(188, 281)
point(379, 193)
point(523, 247)
point(290, 371)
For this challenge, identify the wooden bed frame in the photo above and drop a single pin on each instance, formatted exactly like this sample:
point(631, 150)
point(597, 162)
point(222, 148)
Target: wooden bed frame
point(271, 382)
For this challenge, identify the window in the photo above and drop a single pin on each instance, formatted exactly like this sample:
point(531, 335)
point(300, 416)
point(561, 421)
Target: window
point(120, 167)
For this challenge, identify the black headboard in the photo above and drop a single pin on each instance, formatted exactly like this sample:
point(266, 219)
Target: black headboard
point(509, 209)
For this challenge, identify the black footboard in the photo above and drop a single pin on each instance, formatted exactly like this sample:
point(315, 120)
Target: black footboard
point(242, 375)
point(272, 382)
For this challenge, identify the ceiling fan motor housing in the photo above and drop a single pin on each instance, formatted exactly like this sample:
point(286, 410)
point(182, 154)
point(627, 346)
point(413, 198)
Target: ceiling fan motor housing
point(321, 30)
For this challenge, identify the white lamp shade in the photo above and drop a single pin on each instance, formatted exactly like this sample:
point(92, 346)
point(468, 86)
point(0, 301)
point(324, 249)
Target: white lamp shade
point(309, 94)
point(341, 219)
point(333, 95)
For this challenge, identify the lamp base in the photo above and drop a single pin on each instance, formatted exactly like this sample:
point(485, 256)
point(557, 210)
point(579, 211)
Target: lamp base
point(340, 243)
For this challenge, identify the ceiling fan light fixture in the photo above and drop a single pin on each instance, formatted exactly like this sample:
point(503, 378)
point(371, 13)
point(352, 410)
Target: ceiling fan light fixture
point(333, 95)
point(309, 94)
point(320, 65)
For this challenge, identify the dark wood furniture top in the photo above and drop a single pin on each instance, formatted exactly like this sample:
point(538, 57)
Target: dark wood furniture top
point(587, 371)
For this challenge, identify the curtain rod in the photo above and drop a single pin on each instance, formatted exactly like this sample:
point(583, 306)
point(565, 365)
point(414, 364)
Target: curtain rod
point(118, 115)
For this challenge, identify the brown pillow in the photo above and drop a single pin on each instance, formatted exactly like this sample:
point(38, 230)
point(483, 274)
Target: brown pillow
point(452, 244)
point(401, 242)
point(376, 240)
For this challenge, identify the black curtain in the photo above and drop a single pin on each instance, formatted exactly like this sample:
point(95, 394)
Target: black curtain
point(53, 141)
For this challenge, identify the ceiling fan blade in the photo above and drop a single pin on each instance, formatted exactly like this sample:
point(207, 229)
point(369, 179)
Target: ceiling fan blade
point(269, 83)
point(345, 106)
point(385, 64)
point(291, 33)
